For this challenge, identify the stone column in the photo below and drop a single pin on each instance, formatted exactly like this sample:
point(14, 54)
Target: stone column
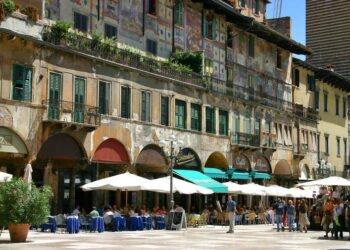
point(72, 174)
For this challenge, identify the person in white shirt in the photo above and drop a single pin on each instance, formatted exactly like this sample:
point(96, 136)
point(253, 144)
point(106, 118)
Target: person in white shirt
point(76, 211)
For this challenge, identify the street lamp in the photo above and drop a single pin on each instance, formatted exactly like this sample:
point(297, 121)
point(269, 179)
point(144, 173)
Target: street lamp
point(323, 168)
point(174, 142)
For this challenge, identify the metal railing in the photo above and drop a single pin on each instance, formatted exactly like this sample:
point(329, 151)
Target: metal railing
point(72, 112)
point(308, 113)
point(245, 139)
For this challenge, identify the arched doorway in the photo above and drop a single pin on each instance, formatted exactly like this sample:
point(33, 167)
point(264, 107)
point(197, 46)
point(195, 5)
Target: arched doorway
point(283, 174)
point(13, 151)
point(110, 158)
point(152, 163)
point(304, 172)
point(188, 159)
point(63, 162)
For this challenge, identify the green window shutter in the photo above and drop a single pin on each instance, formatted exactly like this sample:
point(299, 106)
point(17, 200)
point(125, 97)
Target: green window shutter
point(54, 96)
point(148, 106)
point(125, 102)
point(164, 111)
point(195, 117)
point(205, 25)
point(104, 93)
point(143, 106)
point(22, 83)
point(223, 125)
point(28, 84)
point(257, 127)
point(180, 114)
point(210, 120)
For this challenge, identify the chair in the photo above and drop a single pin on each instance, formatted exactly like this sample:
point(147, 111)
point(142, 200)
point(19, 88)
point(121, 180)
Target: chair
point(147, 222)
point(160, 222)
point(50, 224)
point(109, 222)
point(61, 222)
point(238, 219)
point(85, 222)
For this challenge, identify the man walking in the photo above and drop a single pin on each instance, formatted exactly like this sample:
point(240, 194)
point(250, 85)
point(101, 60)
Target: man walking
point(231, 207)
point(279, 214)
point(291, 215)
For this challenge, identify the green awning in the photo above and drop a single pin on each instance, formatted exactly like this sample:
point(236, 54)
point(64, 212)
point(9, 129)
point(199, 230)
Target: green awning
point(202, 180)
point(260, 175)
point(239, 175)
point(215, 173)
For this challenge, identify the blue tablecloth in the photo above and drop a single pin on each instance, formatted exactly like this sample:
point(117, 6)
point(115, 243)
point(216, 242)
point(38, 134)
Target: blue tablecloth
point(147, 222)
point(136, 223)
point(51, 224)
point(160, 222)
point(73, 224)
point(119, 223)
point(97, 224)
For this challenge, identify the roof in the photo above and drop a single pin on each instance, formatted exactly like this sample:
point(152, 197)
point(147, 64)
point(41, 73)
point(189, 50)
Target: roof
point(260, 29)
point(328, 76)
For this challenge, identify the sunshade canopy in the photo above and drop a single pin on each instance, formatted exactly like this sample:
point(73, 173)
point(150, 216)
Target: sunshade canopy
point(201, 179)
point(330, 181)
point(215, 173)
point(253, 189)
point(5, 177)
point(233, 187)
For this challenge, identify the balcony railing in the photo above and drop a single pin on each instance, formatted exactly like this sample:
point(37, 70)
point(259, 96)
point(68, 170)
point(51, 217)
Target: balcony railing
point(164, 69)
point(245, 139)
point(308, 113)
point(71, 112)
point(300, 149)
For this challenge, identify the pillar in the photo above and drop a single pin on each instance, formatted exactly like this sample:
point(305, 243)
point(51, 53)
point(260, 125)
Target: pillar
point(72, 174)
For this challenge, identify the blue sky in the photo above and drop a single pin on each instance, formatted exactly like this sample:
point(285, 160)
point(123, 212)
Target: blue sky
point(296, 10)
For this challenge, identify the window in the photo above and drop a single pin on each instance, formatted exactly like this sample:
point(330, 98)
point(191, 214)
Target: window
point(229, 74)
point(110, 31)
point(344, 107)
point(325, 101)
point(151, 46)
point(338, 147)
point(326, 140)
point(21, 83)
point(180, 114)
point(256, 6)
point(336, 105)
point(311, 82)
point(179, 12)
point(103, 97)
point(247, 125)
point(236, 126)
point(208, 65)
point(164, 111)
point(229, 37)
point(257, 127)
point(296, 77)
point(251, 82)
point(196, 117)
point(79, 99)
point(242, 3)
point(209, 26)
point(125, 102)
point(279, 58)
point(317, 100)
point(345, 151)
point(210, 120)
point(223, 122)
point(80, 22)
point(251, 46)
point(267, 133)
point(55, 84)
point(145, 106)
point(151, 7)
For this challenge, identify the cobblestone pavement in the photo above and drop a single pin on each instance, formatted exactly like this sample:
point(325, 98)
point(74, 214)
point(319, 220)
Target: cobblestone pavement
point(209, 237)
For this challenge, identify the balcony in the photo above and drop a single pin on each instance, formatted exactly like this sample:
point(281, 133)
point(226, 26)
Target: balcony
point(243, 139)
point(306, 113)
point(72, 114)
point(300, 150)
point(147, 65)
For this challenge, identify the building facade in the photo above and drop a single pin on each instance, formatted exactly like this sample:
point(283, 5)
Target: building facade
point(80, 109)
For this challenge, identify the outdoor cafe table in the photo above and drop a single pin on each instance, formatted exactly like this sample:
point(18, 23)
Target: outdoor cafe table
point(73, 224)
point(136, 223)
point(119, 223)
point(51, 224)
point(97, 224)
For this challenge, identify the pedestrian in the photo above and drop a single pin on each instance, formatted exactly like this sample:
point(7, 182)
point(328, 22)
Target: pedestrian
point(290, 215)
point(231, 208)
point(280, 207)
point(347, 216)
point(327, 219)
point(337, 220)
point(94, 212)
point(303, 218)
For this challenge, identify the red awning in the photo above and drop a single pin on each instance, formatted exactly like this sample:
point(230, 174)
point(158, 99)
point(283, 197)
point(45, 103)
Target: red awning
point(111, 151)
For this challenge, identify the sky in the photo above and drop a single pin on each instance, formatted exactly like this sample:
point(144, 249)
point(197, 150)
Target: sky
point(296, 10)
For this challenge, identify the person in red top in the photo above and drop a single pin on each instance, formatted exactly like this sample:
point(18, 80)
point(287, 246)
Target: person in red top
point(328, 209)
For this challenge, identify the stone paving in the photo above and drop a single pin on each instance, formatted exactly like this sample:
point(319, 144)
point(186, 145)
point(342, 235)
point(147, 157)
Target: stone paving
point(209, 237)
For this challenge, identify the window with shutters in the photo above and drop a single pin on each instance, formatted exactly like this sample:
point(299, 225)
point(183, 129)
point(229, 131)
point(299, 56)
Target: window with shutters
point(325, 101)
point(346, 155)
point(179, 12)
point(256, 7)
point(336, 105)
point(152, 7)
point(21, 83)
point(311, 85)
point(229, 37)
point(145, 106)
point(208, 66)
point(257, 127)
point(125, 102)
point(151, 46)
point(103, 97)
point(110, 31)
point(209, 26)
point(247, 125)
point(210, 120)
point(268, 133)
point(236, 126)
point(79, 99)
point(55, 83)
point(223, 122)
point(251, 46)
point(80, 22)
point(296, 77)
point(338, 147)
point(196, 117)
point(344, 107)
point(229, 74)
point(326, 143)
point(279, 58)
point(180, 114)
point(164, 111)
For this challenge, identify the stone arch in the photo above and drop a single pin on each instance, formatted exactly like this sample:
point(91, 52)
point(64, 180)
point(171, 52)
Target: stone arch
point(111, 151)
point(305, 173)
point(152, 159)
point(187, 158)
point(12, 142)
point(282, 168)
point(217, 160)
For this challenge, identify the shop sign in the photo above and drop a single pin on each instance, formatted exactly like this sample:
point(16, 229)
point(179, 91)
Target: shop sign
point(241, 162)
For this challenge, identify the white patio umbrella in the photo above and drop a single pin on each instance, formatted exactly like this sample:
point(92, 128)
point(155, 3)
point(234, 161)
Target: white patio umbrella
point(330, 181)
point(123, 182)
point(253, 189)
point(5, 177)
point(299, 193)
point(275, 190)
point(162, 185)
point(233, 187)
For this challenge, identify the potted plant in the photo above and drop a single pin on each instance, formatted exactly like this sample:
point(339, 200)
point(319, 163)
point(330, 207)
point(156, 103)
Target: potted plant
point(22, 205)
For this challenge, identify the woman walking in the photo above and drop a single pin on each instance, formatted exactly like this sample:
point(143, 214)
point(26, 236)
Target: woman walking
point(303, 219)
point(327, 219)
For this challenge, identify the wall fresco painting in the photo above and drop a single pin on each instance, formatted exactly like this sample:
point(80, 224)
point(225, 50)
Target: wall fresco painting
point(131, 19)
point(111, 9)
point(193, 29)
point(179, 37)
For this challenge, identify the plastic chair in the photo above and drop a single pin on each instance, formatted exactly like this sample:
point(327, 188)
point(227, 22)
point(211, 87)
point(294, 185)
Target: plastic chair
point(61, 222)
point(147, 222)
point(85, 222)
point(238, 220)
point(160, 222)
point(50, 224)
